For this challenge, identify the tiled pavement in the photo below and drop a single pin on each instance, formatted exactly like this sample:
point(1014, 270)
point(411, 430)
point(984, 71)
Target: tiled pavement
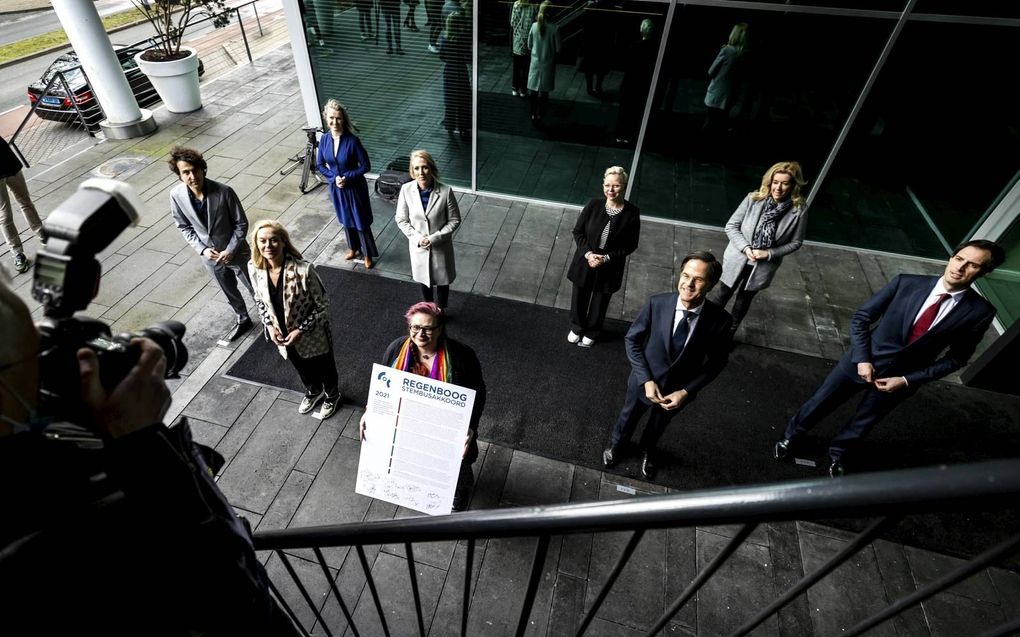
point(286, 470)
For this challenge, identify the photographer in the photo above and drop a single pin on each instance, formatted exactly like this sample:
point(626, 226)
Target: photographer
point(113, 524)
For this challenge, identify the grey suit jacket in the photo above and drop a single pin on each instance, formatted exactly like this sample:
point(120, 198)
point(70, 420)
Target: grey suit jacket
point(228, 225)
point(434, 265)
point(740, 228)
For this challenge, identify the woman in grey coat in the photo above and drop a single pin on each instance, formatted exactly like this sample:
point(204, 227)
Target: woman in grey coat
point(725, 78)
point(769, 224)
point(427, 214)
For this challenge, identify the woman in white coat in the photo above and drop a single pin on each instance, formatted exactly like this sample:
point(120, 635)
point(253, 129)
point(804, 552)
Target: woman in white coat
point(544, 43)
point(427, 214)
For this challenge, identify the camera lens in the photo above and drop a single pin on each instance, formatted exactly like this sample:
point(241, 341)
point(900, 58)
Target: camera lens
point(169, 336)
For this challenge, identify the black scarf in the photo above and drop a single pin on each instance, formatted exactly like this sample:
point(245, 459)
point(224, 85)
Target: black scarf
point(765, 233)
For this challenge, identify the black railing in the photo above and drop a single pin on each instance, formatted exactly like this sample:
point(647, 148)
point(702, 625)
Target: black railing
point(889, 496)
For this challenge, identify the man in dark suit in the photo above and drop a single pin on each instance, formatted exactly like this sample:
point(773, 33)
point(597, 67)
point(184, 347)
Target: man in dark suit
point(210, 216)
point(921, 317)
point(678, 343)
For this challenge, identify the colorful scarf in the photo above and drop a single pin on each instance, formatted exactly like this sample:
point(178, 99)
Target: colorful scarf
point(407, 360)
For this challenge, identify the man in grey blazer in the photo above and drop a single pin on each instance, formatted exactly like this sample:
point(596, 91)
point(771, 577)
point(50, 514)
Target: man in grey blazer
point(211, 218)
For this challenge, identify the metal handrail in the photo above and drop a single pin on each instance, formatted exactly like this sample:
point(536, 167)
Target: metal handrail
point(870, 494)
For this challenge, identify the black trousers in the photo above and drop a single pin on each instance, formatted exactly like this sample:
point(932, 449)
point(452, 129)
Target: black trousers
point(465, 482)
point(588, 310)
point(744, 296)
point(520, 72)
point(318, 373)
point(635, 406)
point(441, 295)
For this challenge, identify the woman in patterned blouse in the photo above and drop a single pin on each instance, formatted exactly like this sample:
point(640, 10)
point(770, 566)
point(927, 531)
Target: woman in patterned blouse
point(295, 312)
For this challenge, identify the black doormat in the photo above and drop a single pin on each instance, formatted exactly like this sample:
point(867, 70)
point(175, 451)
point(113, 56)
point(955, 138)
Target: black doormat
point(558, 400)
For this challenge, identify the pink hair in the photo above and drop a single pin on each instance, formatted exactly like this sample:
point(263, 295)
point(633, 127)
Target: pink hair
point(425, 307)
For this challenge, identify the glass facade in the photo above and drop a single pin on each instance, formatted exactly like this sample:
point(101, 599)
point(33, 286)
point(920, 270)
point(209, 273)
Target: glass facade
point(907, 135)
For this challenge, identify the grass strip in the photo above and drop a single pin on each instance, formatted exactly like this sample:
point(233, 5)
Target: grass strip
point(34, 44)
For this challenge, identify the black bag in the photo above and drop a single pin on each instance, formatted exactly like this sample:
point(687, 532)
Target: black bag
point(388, 184)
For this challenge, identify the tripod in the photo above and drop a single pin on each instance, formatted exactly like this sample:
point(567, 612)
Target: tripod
point(307, 161)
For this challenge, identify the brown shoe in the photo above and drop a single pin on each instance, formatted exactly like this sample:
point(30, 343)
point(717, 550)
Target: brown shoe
point(350, 255)
point(368, 263)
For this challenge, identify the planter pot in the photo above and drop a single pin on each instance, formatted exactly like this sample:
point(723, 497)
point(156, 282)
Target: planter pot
point(176, 81)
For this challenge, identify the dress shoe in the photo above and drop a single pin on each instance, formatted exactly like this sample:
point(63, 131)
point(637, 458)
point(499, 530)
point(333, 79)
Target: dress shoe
point(835, 468)
point(610, 456)
point(782, 450)
point(648, 467)
point(368, 263)
point(350, 255)
point(308, 403)
point(573, 337)
point(240, 330)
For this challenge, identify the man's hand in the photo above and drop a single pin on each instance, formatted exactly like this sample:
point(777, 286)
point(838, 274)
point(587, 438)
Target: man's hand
point(292, 338)
point(140, 400)
point(891, 384)
point(652, 392)
point(674, 400)
point(224, 257)
point(866, 371)
point(211, 254)
point(361, 428)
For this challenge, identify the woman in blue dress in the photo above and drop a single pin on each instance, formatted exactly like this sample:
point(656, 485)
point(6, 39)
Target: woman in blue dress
point(344, 162)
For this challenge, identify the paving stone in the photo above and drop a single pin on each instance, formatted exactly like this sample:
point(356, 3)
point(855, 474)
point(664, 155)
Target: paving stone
point(787, 570)
point(567, 605)
point(323, 440)
point(847, 595)
point(257, 473)
point(142, 314)
point(898, 582)
point(533, 481)
point(576, 548)
point(393, 581)
point(951, 615)
point(206, 433)
point(741, 587)
point(122, 278)
point(310, 574)
point(221, 401)
point(282, 510)
point(491, 477)
point(928, 566)
point(681, 569)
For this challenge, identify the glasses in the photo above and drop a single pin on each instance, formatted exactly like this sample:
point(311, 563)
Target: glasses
point(427, 329)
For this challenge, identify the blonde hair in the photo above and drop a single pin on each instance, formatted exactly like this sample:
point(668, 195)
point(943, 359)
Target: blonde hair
point(541, 17)
point(429, 161)
point(619, 171)
point(280, 232)
point(333, 105)
point(738, 37)
point(790, 168)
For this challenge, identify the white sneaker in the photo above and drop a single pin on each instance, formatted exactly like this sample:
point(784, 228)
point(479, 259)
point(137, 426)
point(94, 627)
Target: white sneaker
point(586, 342)
point(433, 49)
point(328, 407)
point(308, 403)
point(573, 337)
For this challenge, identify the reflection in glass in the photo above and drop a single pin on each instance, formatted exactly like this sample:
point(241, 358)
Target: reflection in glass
point(600, 83)
point(405, 95)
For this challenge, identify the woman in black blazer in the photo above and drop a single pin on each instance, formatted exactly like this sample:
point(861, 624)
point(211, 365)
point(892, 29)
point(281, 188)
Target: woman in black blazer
point(607, 230)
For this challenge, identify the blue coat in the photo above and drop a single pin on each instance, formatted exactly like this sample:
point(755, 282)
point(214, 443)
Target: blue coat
point(885, 345)
point(353, 209)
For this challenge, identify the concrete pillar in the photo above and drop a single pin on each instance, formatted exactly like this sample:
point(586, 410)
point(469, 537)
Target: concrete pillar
point(85, 31)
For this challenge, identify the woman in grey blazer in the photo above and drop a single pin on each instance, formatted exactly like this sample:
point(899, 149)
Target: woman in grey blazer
point(427, 214)
point(769, 224)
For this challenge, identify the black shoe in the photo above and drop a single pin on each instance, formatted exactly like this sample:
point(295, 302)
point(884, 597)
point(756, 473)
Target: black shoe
point(835, 468)
point(240, 330)
point(782, 450)
point(610, 456)
point(648, 467)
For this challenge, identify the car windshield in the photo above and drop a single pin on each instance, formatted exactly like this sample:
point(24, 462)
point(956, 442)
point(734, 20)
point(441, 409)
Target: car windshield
point(71, 69)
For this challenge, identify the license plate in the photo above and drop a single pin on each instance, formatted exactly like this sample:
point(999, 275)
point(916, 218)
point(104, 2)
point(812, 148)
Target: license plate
point(52, 101)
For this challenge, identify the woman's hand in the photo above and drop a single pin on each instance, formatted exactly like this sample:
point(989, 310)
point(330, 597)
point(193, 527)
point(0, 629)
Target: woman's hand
point(424, 243)
point(594, 260)
point(756, 255)
point(292, 338)
point(341, 181)
point(467, 444)
point(278, 337)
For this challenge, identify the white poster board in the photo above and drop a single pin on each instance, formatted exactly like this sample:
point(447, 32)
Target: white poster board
point(414, 440)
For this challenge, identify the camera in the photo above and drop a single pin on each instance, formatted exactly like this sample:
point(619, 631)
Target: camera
point(66, 279)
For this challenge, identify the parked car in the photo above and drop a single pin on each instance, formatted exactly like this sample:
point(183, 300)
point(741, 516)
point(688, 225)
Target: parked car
point(57, 105)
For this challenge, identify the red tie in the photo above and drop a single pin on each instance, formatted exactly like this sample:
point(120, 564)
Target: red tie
point(927, 317)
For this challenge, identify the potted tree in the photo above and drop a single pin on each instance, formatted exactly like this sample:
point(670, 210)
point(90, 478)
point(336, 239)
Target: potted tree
point(172, 68)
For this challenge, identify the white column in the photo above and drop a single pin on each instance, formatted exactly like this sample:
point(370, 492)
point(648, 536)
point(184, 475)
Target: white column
point(302, 62)
point(91, 43)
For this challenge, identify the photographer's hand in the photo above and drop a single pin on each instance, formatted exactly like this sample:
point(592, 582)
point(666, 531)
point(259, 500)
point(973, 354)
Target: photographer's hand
point(139, 401)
